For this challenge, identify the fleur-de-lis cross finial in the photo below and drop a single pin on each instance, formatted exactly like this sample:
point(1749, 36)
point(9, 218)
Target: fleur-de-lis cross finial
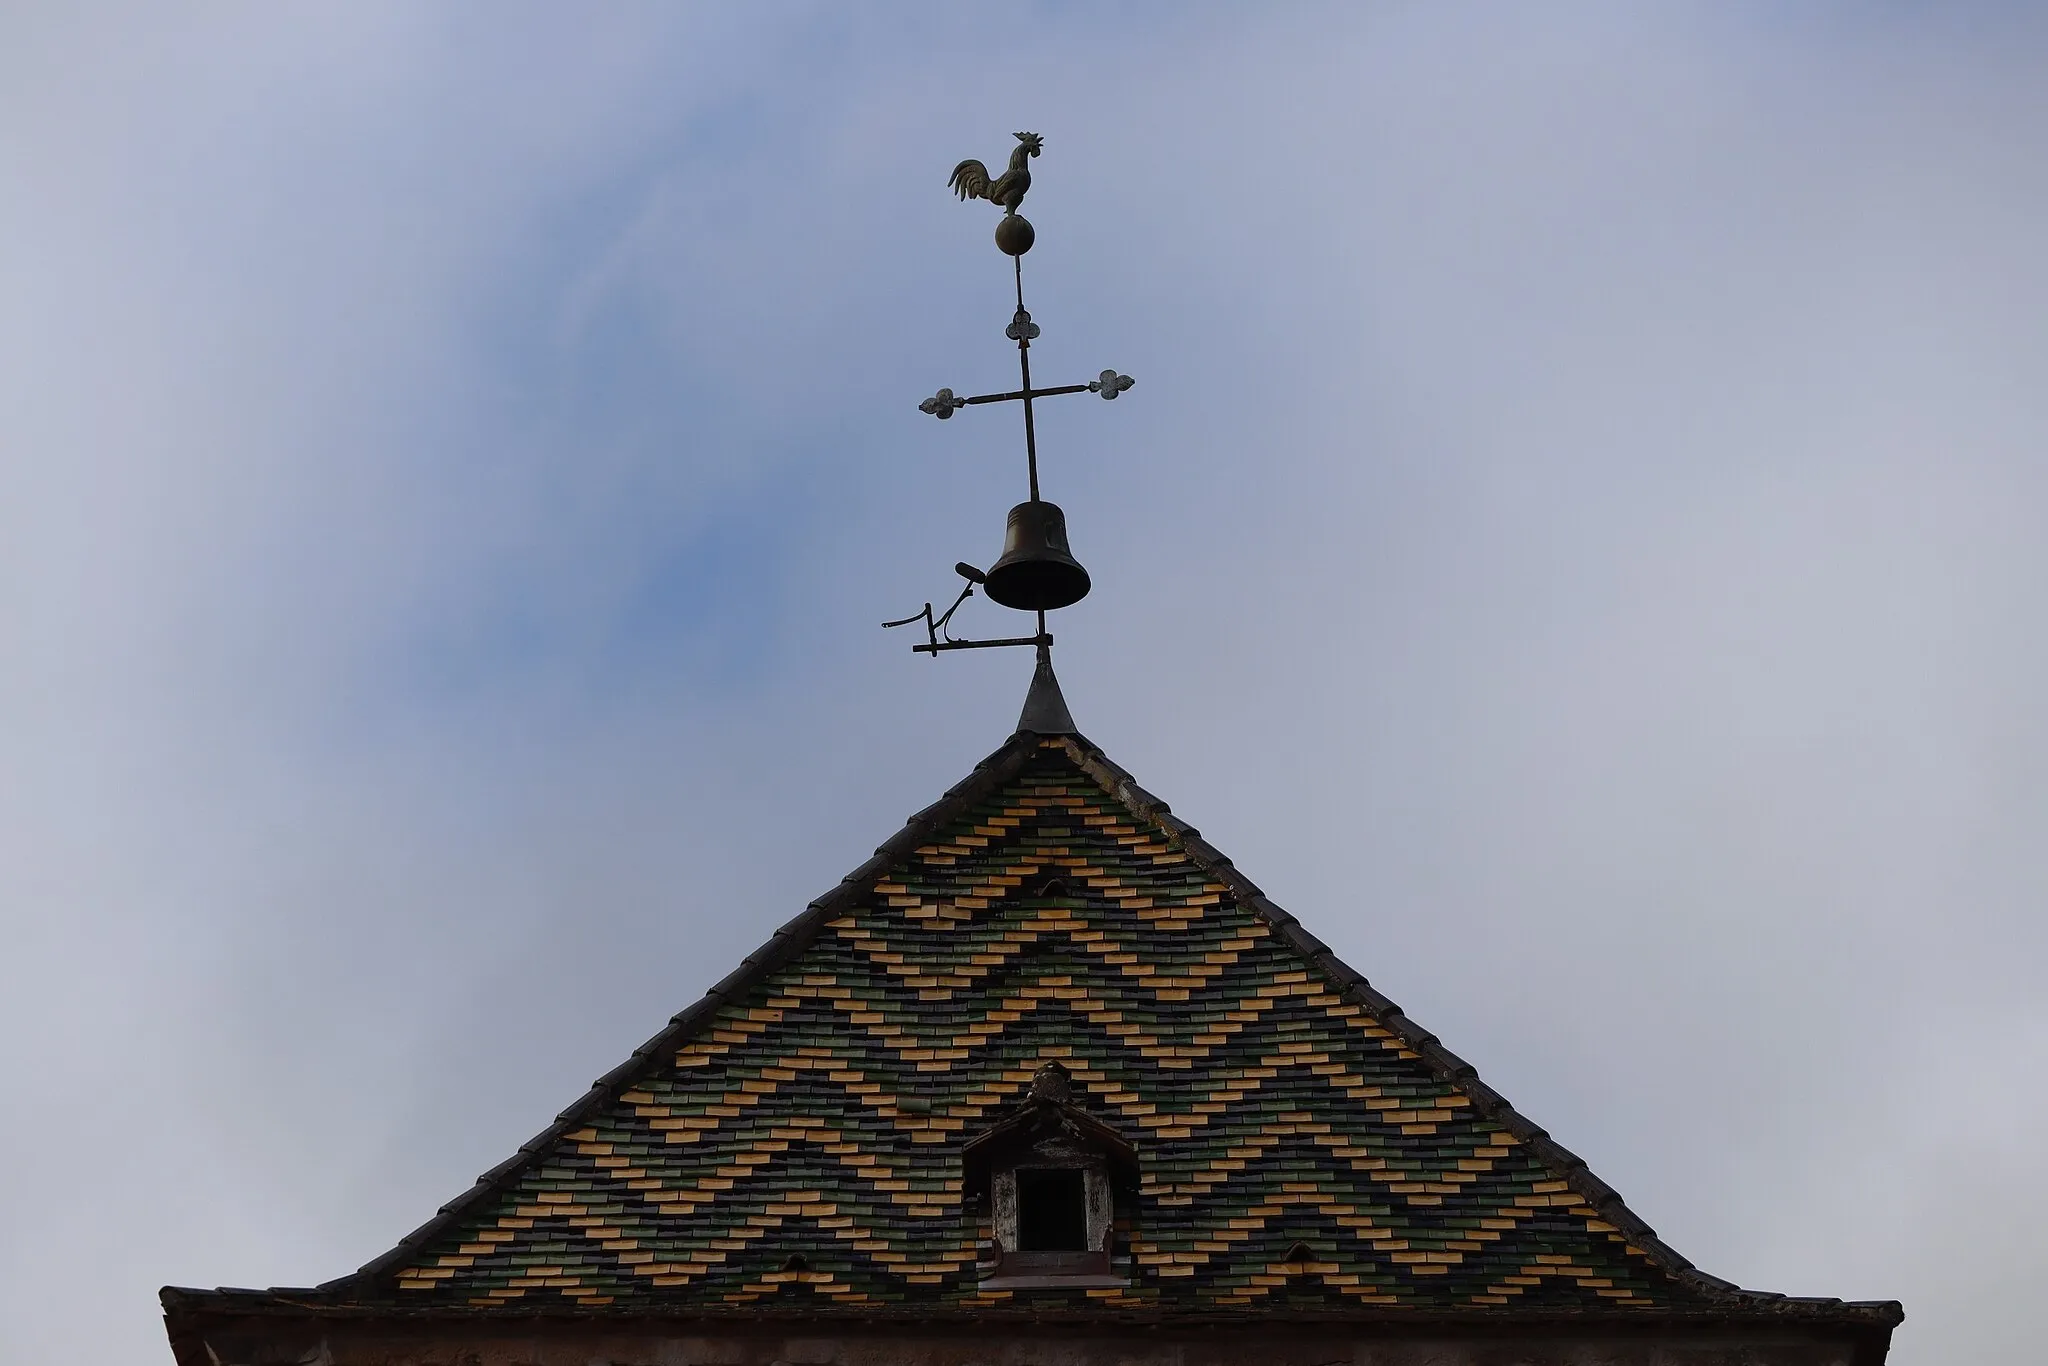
point(1110, 384)
point(942, 404)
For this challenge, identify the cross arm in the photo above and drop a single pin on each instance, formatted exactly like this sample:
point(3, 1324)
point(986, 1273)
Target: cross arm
point(945, 403)
point(1020, 393)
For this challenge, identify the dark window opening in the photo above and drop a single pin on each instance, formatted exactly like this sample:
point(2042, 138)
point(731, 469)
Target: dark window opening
point(1052, 1210)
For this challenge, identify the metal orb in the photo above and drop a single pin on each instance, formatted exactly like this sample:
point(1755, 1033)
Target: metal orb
point(1014, 235)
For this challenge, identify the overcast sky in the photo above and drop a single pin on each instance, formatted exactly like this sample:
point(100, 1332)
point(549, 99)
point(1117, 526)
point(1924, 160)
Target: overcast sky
point(1575, 541)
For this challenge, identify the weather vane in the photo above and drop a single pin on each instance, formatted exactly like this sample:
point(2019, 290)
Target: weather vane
point(1037, 571)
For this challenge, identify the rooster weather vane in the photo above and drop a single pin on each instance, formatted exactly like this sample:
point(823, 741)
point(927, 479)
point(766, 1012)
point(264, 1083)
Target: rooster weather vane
point(970, 178)
point(1037, 571)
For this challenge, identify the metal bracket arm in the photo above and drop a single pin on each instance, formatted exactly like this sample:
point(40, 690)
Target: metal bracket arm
point(1042, 638)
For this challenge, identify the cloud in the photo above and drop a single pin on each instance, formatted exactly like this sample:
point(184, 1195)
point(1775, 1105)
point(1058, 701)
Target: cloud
point(1571, 542)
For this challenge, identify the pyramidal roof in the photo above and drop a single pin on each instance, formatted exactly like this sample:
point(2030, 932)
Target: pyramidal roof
point(791, 1144)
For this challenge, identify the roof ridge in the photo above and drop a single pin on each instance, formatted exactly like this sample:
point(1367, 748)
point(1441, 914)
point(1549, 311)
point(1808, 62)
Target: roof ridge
point(784, 944)
point(1352, 984)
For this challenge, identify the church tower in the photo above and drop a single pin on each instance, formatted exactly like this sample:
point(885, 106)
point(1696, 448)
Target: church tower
point(1047, 1081)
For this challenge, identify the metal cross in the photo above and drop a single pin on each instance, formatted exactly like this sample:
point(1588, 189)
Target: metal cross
point(1022, 331)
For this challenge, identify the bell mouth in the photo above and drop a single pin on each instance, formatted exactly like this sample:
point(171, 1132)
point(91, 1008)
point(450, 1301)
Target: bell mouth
point(1037, 573)
point(1039, 588)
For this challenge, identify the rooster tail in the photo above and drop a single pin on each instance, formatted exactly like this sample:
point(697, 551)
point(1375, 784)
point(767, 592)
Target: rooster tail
point(970, 180)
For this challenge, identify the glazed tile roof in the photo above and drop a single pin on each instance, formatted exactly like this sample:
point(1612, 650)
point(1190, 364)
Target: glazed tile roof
point(1303, 1145)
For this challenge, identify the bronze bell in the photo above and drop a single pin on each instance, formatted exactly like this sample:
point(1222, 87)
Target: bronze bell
point(1037, 573)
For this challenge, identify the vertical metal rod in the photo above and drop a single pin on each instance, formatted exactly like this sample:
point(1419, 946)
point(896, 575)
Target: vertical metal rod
point(1024, 364)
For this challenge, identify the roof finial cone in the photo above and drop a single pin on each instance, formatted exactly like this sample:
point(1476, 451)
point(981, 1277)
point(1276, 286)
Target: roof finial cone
point(1045, 710)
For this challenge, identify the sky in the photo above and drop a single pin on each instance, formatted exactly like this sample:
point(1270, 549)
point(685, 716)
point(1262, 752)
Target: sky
point(1573, 541)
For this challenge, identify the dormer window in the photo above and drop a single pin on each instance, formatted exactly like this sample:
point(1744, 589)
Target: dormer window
point(1050, 1173)
point(1052, 1209)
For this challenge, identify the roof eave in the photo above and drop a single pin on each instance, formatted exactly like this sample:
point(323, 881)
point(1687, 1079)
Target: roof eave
point(1740, 1309)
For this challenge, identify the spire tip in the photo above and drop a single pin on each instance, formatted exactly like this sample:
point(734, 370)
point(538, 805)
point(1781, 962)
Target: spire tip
point(1045, 710)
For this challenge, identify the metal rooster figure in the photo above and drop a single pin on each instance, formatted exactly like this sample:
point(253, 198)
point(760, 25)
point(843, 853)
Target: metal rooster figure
point(1037, 572)
point(970, 177)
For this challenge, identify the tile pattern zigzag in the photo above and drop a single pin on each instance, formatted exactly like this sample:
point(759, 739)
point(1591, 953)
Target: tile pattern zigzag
point(797, 1143)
